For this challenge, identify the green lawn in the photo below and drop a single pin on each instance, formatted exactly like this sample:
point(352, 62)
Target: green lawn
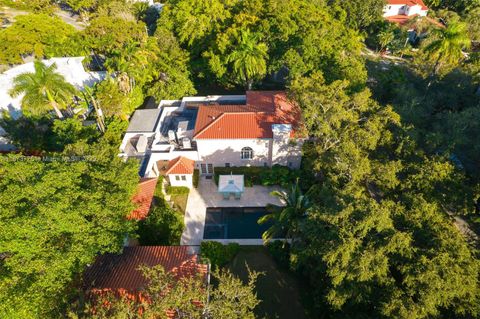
point(278, 290)
point(179, 201)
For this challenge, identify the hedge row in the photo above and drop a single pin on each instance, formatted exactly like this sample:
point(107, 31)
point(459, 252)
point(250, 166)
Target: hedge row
point(196, 178)
point(177, 190)
point(218, 254)
point(253, 175)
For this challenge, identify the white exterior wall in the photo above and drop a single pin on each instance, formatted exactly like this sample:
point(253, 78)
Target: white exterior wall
point(221, 151)
point(399, 9)
point(187, 183)
point(416, 10)
point(281, 150)
point(285, 150)
point(393, 10)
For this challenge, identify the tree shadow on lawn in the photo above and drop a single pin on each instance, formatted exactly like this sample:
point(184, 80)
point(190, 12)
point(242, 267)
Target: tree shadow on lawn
point(278, 290)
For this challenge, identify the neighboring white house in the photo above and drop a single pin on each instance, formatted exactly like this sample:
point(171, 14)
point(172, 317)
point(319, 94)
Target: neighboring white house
point(71, 68)
point(260, 128)
point(401, 10)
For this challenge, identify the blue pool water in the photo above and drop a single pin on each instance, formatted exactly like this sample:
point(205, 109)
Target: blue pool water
point(234, 223)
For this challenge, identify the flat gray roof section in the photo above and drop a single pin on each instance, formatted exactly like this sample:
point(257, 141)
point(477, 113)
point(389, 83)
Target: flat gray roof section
point(144, 120)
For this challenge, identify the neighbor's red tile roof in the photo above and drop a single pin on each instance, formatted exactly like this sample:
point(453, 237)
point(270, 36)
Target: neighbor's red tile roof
point(180, 165)
point(253, 120)
point(400, 19)
point(143, 198)
point(409, 3)
point(403, 19)
point(121, 274)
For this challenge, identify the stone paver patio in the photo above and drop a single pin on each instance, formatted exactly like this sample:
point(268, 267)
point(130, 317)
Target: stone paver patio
point(206, 195)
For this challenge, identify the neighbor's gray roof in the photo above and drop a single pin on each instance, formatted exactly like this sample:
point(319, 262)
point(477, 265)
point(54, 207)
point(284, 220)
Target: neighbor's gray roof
point(144, 120)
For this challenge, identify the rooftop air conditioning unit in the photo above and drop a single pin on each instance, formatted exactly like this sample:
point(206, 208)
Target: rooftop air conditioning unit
point(186, 143)
point(142, 144)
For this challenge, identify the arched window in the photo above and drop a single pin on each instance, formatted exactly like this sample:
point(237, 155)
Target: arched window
point(247, 153)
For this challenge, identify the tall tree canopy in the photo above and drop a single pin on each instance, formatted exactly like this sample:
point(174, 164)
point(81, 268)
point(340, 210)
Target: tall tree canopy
point(377, 241)
point(39, 35)
point(361, 13)
point(346, 127)
point(109, 34)
point(55, 217)
point(230, 298)
point(301, 36)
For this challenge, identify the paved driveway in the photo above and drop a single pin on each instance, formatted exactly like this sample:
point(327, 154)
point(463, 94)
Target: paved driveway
point(206, 195)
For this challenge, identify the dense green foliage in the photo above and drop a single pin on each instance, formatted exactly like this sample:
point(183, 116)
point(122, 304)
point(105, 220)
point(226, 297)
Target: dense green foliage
point(230, 298)
point(459, 6)
point(57, 214)
point(360, 13)
point(299, 35)
point(115, 102)
point(177, 190)
point(39, 35)
point(389, 162)
point(41, 134)
point(377, 241)
point(255, 175)
point(163, 226)
point(218, 254)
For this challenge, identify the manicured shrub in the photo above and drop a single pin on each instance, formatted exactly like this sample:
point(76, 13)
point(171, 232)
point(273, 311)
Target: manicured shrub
point(217, 253)
point(163, 226)
point(255, 175)
point(196, 178)
point(177, 190)
point(158, 189)
point(278, 175)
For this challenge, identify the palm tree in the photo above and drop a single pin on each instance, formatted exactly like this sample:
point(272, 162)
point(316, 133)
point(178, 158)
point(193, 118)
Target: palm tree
point(89, 98)
point(43, 89)
point(249, 58)
point(447, 46)
point(286, 219)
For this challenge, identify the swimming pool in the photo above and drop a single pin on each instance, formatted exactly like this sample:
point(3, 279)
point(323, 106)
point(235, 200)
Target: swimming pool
point(234, 223)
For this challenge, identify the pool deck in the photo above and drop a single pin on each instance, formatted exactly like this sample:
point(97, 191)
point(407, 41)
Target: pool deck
point(206, 195)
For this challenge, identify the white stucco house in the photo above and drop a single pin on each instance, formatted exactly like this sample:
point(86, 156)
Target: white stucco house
point(401, 10)
point(71, 68)
point(260, 128)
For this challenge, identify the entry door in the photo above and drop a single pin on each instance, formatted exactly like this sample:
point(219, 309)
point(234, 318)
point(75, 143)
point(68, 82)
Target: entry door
point(206, 169)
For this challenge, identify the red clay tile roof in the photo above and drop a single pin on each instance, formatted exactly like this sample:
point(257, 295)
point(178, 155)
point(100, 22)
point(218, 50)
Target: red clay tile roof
point(400, 19)
point(403, 19)
point(408, 2)
point(180, 165)
point(143, 198)
point(120, 273)
point(253, 120)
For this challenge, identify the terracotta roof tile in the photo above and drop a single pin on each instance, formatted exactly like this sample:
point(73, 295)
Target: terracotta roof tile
point(253, 120)
point(180, 165)
point(112, 272)
point(408, 2)
point(143, 198)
